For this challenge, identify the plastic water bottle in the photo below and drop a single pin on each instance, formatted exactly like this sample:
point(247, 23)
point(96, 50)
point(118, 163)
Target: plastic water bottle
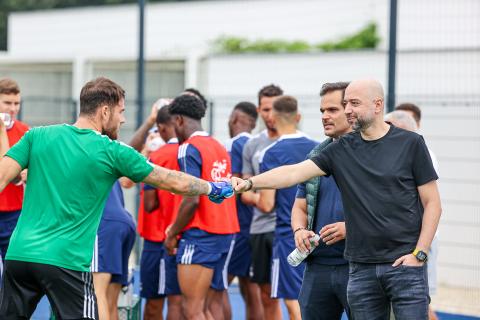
point(296, 256)
point(7, 119)
point(125, 298)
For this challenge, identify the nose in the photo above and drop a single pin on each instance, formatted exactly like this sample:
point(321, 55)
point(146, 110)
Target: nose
point(348, 108)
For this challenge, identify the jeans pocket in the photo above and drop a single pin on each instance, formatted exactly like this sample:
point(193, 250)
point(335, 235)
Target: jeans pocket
point(352, 268)
point(412, 268)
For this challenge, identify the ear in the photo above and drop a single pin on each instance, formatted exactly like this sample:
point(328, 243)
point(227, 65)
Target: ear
point(298, 117)
point(105, 110)
point(379, 105)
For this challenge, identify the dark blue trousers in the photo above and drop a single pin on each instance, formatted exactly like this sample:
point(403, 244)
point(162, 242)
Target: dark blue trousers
point(372, 288)
point(323, 295)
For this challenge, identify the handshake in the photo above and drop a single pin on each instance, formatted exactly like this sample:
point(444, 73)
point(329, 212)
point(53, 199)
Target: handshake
point(222, 190)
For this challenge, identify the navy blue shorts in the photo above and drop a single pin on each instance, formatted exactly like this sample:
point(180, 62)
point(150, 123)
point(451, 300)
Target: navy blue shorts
point(212, 251)
point(158, 272)
point(8, 222)
point(241, 257)
point(113, 245)
point(286, 280)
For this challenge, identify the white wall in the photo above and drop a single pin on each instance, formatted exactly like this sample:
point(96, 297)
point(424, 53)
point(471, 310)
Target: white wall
point(176, 29)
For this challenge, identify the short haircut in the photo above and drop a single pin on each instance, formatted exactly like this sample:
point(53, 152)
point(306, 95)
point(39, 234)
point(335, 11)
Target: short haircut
point(286, 105)
point(188, 106)
point(403, 119)
point(198, 95)
point(333, 86)
point(269, 91)
point(248, 108)
point(9, 86)
point(417, 113)
point(163, 115)
point(98, 92)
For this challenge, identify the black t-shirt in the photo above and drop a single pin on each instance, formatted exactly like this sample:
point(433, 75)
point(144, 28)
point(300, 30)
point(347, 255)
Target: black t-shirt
point(378, 181)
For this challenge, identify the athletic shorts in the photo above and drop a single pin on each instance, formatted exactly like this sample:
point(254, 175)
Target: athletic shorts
point(8, 222)
point(69, 292)
point(286, 280)
point(241, 257)
point(158, 272)
point(210, 250)
point(113, 245)
point(261, 265)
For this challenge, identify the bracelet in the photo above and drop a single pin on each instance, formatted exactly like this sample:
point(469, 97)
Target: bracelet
point(298, 229)
point(250, 184)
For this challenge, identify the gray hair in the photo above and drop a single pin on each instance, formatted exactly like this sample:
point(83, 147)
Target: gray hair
point(402, 119)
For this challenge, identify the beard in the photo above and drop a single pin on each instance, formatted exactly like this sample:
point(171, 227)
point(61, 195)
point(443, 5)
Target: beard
point(110, 130)
point(111, 133)
point(362, 124)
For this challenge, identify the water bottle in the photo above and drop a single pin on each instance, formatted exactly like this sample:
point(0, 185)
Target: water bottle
point(7, 119)
point(296, 256)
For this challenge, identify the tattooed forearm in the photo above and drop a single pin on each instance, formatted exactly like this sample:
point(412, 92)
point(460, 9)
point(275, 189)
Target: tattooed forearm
point(177, 182)
point(196, 187)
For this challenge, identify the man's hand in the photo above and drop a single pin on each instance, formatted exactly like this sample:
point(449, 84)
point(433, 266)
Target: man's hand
point(152, 118)
point(171, 241)
point(332, 233)
point(220, 191)
point(302, 240)
point(21, 178)
point(408, 260)
point(240, 185)
point(171, 244)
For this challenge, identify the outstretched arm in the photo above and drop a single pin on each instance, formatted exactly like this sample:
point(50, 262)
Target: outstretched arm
point(177, 182)
point(278, 178)
point(9, 169)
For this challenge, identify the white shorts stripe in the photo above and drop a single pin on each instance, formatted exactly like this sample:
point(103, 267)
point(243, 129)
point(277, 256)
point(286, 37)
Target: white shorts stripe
point(190, 256)
point(161, 278)
point(227, 262)
point(184, 255)
point(84, 294)
point(94, 264)
point(275, 275)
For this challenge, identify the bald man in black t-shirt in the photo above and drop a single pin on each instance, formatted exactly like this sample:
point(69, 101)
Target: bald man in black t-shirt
point(391, 202)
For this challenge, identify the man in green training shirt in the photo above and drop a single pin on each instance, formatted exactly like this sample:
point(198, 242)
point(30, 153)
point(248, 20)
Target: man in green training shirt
point(71, 171)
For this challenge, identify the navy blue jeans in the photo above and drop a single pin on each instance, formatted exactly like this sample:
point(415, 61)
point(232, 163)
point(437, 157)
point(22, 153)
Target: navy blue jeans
point(372, 288)
point(323, 295)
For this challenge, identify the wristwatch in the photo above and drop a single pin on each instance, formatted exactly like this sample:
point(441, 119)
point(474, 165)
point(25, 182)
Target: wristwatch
point(420, 255)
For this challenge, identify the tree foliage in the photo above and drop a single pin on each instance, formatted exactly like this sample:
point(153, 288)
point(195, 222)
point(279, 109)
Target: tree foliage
point(7, 6)
point(366, 38)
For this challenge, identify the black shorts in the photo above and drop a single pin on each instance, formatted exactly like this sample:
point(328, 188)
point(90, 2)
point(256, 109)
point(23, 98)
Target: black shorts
point(261, 245)
point(69, 292)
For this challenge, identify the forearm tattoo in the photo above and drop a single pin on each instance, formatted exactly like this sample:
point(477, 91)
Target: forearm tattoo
point(177, 182)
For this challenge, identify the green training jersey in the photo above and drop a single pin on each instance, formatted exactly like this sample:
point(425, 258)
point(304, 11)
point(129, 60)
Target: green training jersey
point(70, 174)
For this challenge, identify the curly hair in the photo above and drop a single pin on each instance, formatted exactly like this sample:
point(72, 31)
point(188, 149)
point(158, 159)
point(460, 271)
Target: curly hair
point(197, 94)
point(187, 105)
